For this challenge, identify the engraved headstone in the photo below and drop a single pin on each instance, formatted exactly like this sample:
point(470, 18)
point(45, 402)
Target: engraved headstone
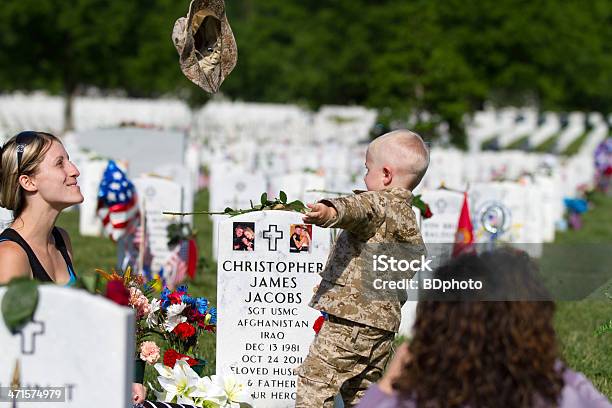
point(268, 264)
point(78, 343)
point(158, 195)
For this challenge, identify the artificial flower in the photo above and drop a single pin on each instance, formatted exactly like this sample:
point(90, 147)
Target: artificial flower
point(215, 395)
point(152, 315)
point(182, 386)
point(149, 352)
point(171, 356)
point(116, 292)
point(174, 316)
point(202, 305)
point(236, 393)
point(184, 330)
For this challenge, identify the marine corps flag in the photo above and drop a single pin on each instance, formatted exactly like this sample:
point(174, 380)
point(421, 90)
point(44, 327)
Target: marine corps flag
point(464, 237)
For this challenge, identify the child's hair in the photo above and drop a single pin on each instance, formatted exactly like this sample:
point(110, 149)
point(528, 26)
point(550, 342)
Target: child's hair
point(11, 194)
point(249, 230)
point(409, 153)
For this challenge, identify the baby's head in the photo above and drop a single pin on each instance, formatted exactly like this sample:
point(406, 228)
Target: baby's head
point(396, 159)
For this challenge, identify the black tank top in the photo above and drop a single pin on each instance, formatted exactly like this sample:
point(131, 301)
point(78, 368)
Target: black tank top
point(38, 271)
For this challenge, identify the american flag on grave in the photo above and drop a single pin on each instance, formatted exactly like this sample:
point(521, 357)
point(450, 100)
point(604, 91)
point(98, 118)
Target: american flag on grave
point(117, 203)
point(182, 262)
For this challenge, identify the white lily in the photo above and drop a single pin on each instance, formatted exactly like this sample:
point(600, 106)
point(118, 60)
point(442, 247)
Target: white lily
point(163, 370)
point(237, 394)
point(152, 316)
point(215, 395)
point(181, 386)
point(174, 316)
point(160, 395)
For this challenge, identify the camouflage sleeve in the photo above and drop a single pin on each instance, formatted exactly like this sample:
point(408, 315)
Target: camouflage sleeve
point(360, 214)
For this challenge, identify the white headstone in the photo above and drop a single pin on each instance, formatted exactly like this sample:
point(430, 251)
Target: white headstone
point(79, 342)
point(265, 323)
point(507, 212)
point(235, 189)
point(159, 195)
point(446, 207)
point(91, 175)
point(6, 217)
point(296, 185)
point(143, 150)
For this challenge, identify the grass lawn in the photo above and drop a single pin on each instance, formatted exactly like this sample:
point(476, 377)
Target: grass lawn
point(575, 321)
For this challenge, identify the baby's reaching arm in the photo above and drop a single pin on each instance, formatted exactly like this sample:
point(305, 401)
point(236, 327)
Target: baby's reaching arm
point(320, 214)
point(361, 214)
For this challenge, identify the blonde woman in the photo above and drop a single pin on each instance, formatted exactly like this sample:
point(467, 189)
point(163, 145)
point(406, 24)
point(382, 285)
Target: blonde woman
point(37, 182)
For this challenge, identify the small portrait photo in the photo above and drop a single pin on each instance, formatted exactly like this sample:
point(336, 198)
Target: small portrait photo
point(244, 236)
point(300, 237)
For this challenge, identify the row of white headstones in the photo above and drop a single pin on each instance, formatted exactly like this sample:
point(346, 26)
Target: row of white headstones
point(265, 324)
point(231, 121)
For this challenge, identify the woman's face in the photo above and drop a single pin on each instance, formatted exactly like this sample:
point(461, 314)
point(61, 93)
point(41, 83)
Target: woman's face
point(56, 178)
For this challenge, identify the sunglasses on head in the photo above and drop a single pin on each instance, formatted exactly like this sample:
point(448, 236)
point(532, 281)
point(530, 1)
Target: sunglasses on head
point(22, 140)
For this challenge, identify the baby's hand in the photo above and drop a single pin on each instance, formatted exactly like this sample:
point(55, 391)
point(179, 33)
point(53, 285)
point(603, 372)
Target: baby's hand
point(319, 214)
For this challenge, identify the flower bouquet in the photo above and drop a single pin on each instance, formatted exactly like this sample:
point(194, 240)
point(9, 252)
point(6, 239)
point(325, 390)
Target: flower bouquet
point(182, 385)
point(180, 319)
point(130, 290)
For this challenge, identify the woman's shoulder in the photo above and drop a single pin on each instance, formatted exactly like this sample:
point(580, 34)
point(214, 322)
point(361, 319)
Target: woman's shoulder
point(13, 261)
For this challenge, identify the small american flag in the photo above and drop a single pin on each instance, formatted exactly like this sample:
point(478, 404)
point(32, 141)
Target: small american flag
point(175, 269)
point(181, 262)
point(117, 203)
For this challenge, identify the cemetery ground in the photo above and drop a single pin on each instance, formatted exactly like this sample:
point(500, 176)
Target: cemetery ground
point(575, 321)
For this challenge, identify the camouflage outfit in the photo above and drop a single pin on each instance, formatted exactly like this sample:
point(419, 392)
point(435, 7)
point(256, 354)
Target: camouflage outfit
point(352, 348)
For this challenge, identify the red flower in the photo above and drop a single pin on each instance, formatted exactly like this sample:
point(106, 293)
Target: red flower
point(318, 324)
point(175, 298)
point(118, 293)
point(428, 213)
point(171, 356)
point(184, 330)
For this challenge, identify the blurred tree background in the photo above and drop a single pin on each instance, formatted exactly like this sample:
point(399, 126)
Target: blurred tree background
point(435, 60)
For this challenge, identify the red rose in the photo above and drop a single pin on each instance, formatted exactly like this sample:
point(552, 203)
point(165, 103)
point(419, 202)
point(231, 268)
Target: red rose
point(184, 330)
point(117, 292)
point(171, 356)
point(318, 324)
point(428, 212)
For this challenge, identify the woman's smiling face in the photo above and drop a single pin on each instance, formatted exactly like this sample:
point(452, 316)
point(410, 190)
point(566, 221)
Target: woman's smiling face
point(56, 178)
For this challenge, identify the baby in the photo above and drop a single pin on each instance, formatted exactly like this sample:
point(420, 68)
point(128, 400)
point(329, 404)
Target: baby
point(350, 351)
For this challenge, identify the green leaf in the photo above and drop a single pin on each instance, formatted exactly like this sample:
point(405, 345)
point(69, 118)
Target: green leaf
point(264, 199)
point(19, 302)
point(297, 205)
point(283, 197)
point(228, 210)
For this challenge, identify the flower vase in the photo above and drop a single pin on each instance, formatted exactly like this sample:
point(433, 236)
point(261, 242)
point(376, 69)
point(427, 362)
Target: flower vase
point(139, 369)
